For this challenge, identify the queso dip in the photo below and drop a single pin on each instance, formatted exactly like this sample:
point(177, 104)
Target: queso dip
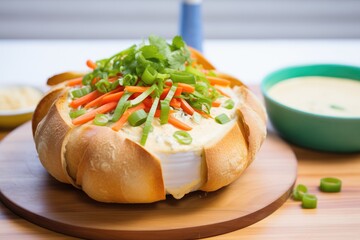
point(320, 95)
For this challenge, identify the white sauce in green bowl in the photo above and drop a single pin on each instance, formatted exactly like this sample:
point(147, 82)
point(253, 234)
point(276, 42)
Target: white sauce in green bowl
point(328, 96)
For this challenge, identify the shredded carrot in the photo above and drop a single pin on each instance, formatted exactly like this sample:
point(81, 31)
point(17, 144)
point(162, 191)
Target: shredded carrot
point(168, 83)
point(136, 89)
point(164, 93)
point(222, 92)
point(148, 102)
point(157, 112)
point(74, 82)
point(178, 124)
point(184, 87)
point(135, 95)
point(178, 91)
point(175, 103)
point(216, 104)
point(91, 64)
point(95, 80)
point(186, 106)
point(205, 115)
point(113, 97)
point(85, 99)
point(218, 81)
point(91, 114)
point(113, 79)
point(120, 123)
point(99, 101)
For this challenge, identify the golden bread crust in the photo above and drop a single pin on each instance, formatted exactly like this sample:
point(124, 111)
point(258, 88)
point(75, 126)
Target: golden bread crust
point(49, 138)
point(252, 121)
point(62, 77)
point(225, 160)
point(44, 105)
point(112, 168)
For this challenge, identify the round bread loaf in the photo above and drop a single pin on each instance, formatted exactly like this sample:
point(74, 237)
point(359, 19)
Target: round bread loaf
point(114, 166)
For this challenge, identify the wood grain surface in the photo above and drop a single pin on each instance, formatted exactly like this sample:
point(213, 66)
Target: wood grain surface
point(336, 217)
point(28, 190)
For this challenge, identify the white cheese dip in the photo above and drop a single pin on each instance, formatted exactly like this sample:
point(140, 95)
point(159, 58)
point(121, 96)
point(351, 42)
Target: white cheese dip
point(183, 166)
point(319, 95)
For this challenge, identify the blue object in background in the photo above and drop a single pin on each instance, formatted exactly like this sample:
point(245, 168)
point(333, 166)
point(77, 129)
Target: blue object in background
point(191, 23)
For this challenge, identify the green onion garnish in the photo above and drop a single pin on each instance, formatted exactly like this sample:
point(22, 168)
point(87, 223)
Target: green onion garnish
point(77, 113)
point(137, 118)
point(299, 191)
point(330, 184)
point(149, 75)
point(103, 86)
point(228, 104)
point(222, 118)
point(309, 201)
point(165, 109)
point(128, 80)
point(171, 93)
point(142, 96)
point(148, 121)
point(165, 105)
point(183, 137)
point(101, 120)
point(183, 77)
point(77, 93)
point(123, 104)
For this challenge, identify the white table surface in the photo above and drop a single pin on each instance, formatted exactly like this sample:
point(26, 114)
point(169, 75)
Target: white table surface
point(33, 61)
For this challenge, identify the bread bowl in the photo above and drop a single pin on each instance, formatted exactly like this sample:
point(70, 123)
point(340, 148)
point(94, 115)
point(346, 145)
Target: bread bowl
point(147, 137)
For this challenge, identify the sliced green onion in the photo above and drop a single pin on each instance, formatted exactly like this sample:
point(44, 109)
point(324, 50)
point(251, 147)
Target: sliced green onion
point(183, 77)
point(137, 118)
point(309, 201)
point(171, 93)
point(202, 87)
point(165, 105)
point(222, 118)
point(200, 102)
point(163, 76)
point(103, 86)
point(101, 120)
point(183, 137)
point(77, 113)
point(149, 75)
point(165, 109)
point(77, 93)
point(228, 104)
point(114, 84)
point(195, 72)
point(299, 191)
point(148, 121)
point(330, 184)
point(142, 96)
point(128, 80)
point(123, 104)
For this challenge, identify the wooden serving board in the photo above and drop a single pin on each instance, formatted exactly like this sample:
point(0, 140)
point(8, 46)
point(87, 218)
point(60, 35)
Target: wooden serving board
point(28, 190)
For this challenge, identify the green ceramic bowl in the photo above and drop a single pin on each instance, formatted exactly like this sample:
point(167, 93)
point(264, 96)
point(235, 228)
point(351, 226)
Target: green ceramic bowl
point(319, 132)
